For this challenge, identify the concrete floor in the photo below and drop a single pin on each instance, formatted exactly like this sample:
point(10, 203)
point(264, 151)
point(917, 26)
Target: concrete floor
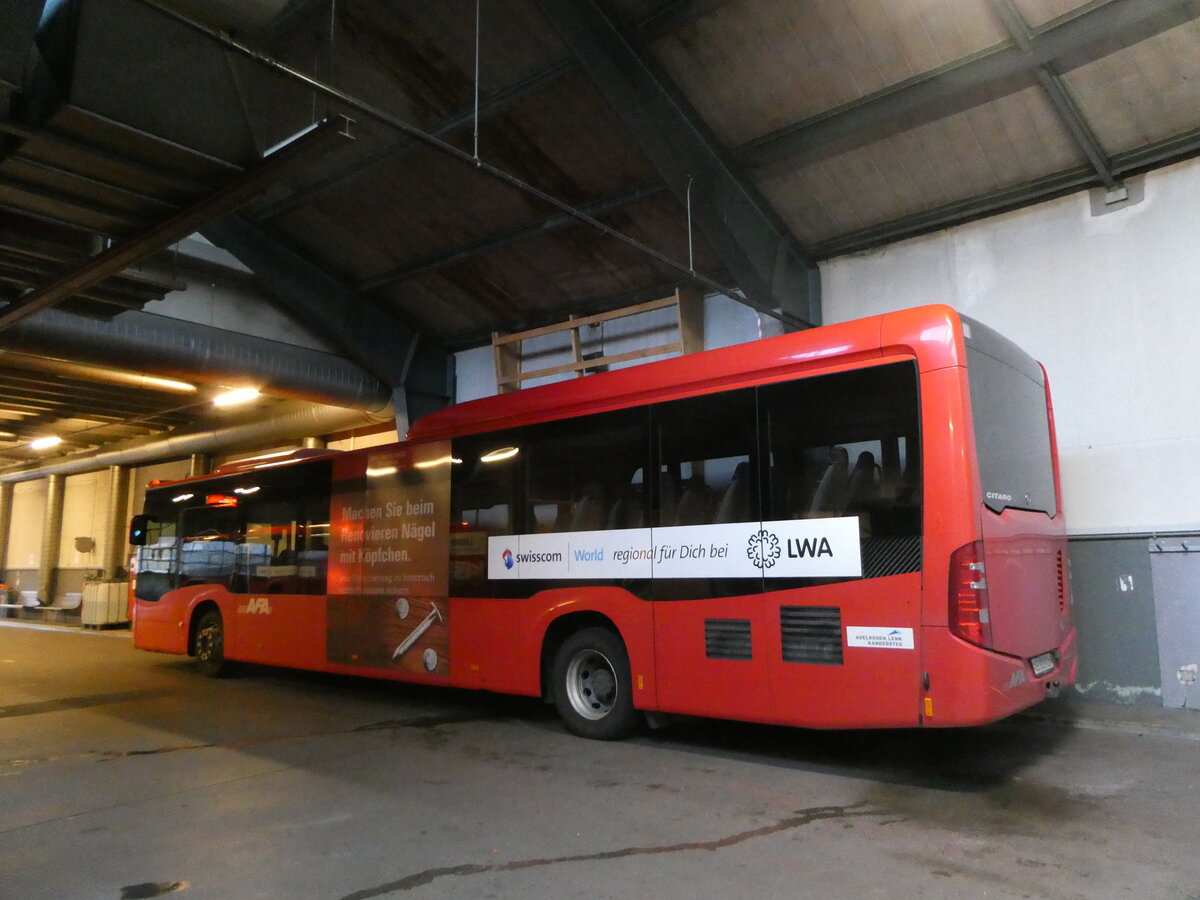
point(125, 774)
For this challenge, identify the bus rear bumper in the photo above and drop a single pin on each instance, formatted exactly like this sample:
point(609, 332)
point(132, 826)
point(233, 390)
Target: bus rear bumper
point(969, 685)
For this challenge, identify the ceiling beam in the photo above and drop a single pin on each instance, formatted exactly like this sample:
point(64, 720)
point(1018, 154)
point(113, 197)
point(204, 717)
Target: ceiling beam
point(1124, 165)
point(767, 262)
point(88, 157)
point(234, 194)
point(1094, 31)
point(1060, 98)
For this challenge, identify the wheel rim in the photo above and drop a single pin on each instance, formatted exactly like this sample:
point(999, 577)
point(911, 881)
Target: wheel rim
point(591, 684)
point(208, 642)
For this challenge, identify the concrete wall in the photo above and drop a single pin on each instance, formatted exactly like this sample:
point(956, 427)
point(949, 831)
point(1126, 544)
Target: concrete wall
point(1109, 303)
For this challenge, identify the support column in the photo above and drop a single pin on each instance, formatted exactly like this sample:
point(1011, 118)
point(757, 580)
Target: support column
point(314, 443)
point(51, 537)
point(6, 505)
point(116, 537)
point(201, 464)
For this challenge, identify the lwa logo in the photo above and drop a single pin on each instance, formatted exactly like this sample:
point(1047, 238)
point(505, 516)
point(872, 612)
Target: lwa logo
point(764, 550)
point(508, 558)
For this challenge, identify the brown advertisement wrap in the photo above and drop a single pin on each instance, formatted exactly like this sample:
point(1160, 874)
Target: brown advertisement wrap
point(389, 551)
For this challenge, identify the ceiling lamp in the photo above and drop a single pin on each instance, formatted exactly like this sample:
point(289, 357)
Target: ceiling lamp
point(233, 398)
point(45, 443)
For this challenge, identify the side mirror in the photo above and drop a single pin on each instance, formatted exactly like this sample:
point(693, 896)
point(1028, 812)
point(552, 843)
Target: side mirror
point(138, 528)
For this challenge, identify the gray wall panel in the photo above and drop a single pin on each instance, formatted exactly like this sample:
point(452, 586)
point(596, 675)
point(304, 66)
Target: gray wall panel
point(1177, 595)
point(1113, 594)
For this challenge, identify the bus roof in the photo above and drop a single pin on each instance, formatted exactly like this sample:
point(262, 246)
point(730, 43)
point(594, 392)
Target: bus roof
point(930, 334)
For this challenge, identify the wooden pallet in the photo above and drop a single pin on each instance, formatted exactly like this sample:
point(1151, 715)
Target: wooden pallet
point(506, 348)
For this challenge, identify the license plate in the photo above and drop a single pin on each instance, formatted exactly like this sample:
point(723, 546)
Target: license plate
point(1044, 664)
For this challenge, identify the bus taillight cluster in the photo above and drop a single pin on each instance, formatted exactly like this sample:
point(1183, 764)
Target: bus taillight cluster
point(969, 617)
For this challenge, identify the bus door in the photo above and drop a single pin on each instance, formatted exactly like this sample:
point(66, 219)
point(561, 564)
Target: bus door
point(712, 641)
point(843, 495)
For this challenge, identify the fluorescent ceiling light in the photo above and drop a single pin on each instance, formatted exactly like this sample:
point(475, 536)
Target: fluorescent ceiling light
point(232, 398)
point(45, 443)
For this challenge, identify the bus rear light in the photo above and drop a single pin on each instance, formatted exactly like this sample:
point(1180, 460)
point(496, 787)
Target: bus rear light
point(969, 616)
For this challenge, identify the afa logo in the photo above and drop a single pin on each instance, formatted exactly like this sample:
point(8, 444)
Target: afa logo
point(508, 559)
point(256, 606)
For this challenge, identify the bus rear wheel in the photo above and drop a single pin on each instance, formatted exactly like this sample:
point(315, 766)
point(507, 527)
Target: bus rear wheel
point(209, 646)
point(593, 691)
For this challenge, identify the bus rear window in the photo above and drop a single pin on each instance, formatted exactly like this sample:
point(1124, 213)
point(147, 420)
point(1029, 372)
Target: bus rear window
point(1012, 427)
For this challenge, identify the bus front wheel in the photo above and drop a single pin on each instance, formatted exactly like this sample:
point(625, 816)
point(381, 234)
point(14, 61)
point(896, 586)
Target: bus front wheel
point(593, 691)
point(209, 645)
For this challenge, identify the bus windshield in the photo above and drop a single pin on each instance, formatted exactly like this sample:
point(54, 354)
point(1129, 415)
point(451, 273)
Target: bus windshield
point(1012, 429)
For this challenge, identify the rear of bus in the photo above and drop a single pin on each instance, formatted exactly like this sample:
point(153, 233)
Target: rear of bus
point(1008, 606)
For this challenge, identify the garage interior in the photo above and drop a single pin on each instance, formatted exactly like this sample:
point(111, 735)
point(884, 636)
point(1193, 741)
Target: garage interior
point(344, 204)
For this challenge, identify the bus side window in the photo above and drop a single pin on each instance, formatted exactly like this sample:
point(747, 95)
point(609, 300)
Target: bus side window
point(483, 485)
point(707, 453)
point(585, 474)
point(208, 547)
point(845, 445)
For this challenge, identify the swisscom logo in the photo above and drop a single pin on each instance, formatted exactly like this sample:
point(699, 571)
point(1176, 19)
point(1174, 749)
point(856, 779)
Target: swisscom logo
point(508, 559)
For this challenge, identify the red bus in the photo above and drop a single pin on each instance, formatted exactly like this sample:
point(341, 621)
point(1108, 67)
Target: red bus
point(859, 525)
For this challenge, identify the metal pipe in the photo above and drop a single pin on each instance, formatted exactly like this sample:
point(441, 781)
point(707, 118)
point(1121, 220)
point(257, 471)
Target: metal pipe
point(164, 346)
point(6, 505)
point(51, 537)
point(294, 425)
point(116, 541)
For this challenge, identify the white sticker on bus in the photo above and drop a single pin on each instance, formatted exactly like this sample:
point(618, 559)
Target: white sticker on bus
point(880, 638)
point(793, 548)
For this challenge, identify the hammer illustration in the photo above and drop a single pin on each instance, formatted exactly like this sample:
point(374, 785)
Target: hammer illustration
point(416, 633)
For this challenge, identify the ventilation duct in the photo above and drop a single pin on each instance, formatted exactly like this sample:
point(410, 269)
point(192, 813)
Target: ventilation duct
point(163, 346)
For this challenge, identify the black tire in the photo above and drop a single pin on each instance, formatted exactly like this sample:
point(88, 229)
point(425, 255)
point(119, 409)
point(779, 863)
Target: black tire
point(592, 689)
point(208, 646)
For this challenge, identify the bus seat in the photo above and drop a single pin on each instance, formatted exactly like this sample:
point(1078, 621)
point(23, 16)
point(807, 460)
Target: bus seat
point(693, 503)
point(590, 512)
point(669, 491)
point(735, 503)
point(863, 485)
point(830, 496)
point(627, 512)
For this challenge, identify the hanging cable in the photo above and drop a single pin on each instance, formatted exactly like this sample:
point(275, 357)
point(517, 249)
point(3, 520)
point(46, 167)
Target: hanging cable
point(477, 37)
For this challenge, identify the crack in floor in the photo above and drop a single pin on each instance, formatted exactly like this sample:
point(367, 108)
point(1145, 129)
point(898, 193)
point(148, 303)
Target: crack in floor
point(797, 820)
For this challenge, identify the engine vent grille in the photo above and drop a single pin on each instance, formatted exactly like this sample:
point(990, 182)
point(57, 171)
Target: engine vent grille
point(727, 639)
point(811, 634)
point(1060, 574)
